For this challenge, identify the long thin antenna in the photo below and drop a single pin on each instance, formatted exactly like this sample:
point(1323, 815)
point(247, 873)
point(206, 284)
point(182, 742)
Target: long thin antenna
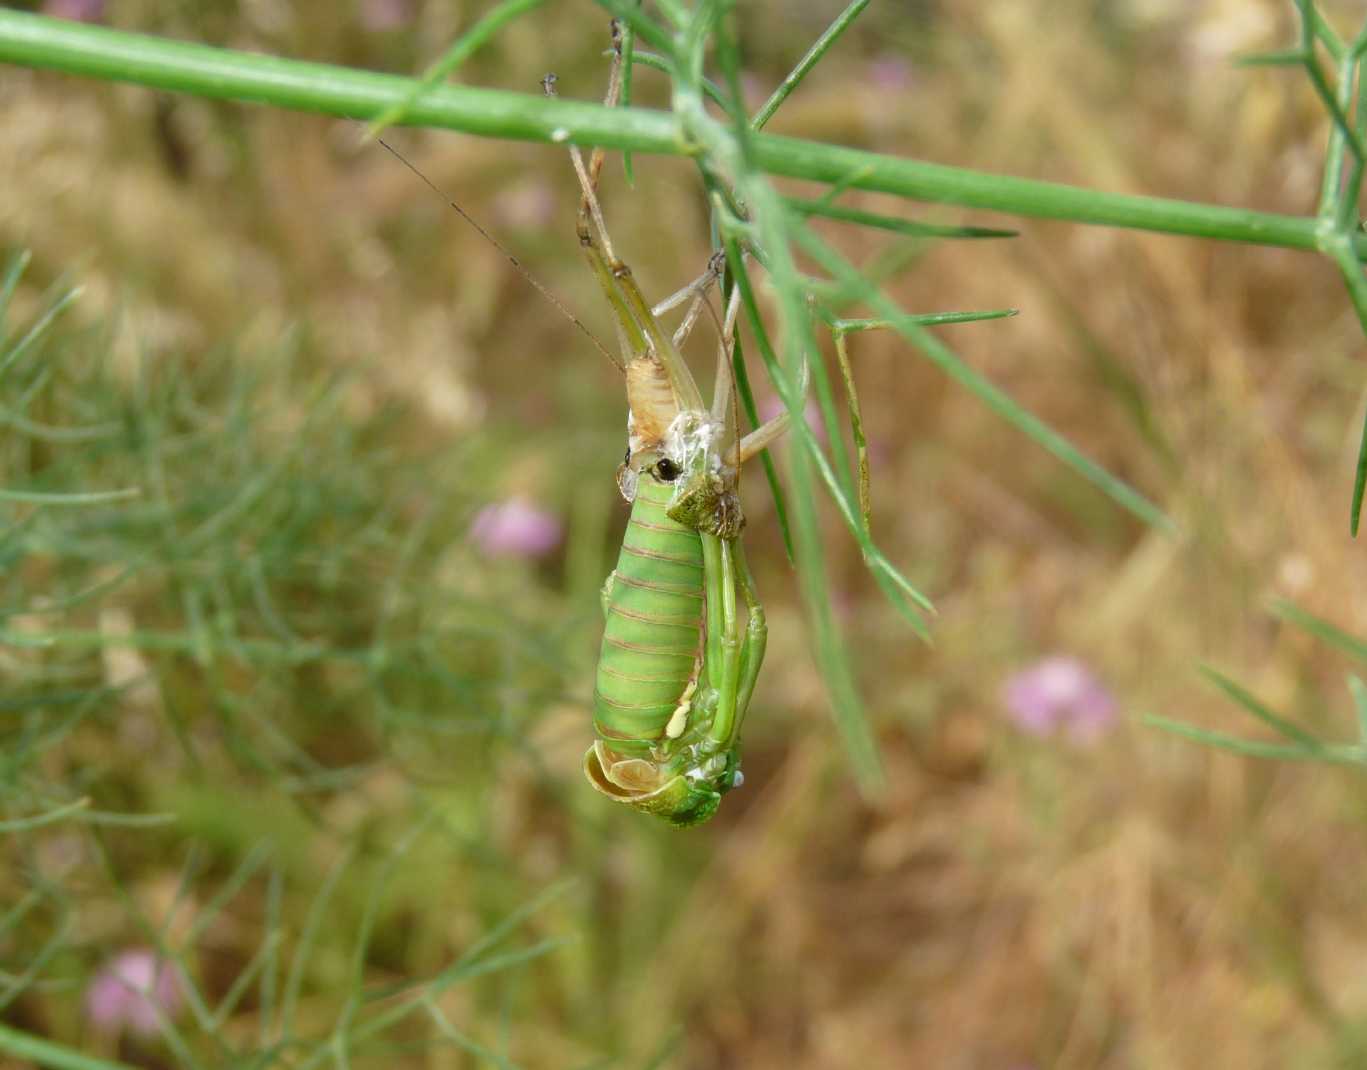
point(521, 270)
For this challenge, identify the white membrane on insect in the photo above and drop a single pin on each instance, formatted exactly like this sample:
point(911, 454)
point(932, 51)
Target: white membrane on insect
point(692, 434)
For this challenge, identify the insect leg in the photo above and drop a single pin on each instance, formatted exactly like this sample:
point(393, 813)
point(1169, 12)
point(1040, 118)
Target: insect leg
point(699, 289)
point(725, 722)
point(756, 635)
point(714, 603)
point(763, 436)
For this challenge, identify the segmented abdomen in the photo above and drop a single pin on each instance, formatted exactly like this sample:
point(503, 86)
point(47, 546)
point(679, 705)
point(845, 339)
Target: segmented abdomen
point(654, 625)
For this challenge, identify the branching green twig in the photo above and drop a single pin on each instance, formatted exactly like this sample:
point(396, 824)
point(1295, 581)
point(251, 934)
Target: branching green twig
point(177, 66)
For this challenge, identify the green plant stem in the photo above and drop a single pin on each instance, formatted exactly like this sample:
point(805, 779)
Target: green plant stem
point(45, 1053)
point(177, 66)
point(457, 54)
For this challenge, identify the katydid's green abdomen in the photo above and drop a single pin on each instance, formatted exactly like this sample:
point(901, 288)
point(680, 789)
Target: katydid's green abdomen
point(654, 625)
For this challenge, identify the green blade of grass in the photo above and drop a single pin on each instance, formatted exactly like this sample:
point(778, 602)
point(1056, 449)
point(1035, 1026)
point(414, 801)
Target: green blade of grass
point(903, 595)
point(11, 356)
point(813, 56)
point(53, 1056)
point(50, 817)
point(1358, 690)
point(823, 208)
point(1320, 629)
point(832, 659)
point(1351, 271)
point(1291, 57)
point(766, 457)
point(923, 319)
point(1313, 25)
point(1252, 748)
point(659, 63)
point(462, 49)
point(996, 400)
point(861, 446)
point(9, 282)
point(1260, 710)
point(87, 497)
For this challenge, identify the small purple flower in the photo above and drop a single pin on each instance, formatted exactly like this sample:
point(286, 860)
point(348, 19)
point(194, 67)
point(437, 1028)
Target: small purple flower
point(1060, 693)
point(78, 10)
point(135, 990)
point(890, 74)
point(515, 528)
point(382, 16)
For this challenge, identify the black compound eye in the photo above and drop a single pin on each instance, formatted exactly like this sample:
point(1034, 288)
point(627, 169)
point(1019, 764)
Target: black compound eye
point(667, 470)
point(627, 458)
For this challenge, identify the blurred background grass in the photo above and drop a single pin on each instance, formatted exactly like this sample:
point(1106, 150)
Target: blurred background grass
point(364, 733)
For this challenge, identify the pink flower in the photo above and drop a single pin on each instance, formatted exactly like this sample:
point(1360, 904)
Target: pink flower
point(78, 10)
point(890, 74)
point(136, 990)
point(1059, 693)
point(515, 528)
point(381, 16)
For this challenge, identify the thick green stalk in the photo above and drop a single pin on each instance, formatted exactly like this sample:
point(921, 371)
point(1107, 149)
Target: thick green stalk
point(184, 67)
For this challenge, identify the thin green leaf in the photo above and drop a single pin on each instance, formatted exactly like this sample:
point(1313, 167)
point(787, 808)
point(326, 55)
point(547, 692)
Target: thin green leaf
point(106, 817)
point(51, 817)
point(1320, 83)
point(861, 446)
point(460, 1040)
point(11, 357)
point(832, 659)
point(49, 433)
point(804, 66)
point(1315, 26)
point(234, 883)
point(88, 497)
point(294, 979)
point(924, 319)
point(995, 399)
point(42, 1052)
point(1358, 690)
point(258, 963)
point(461, 50)
point(1341, 252)
point(1253, 748)
point(766, 458)
point(1291, 57)
point(458, 970)
point(1320, 629)
point(14, 271)
point(1359, 482)
point(659, 63)
point(1258, 709)
point(822, 207)
point(890, 581)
